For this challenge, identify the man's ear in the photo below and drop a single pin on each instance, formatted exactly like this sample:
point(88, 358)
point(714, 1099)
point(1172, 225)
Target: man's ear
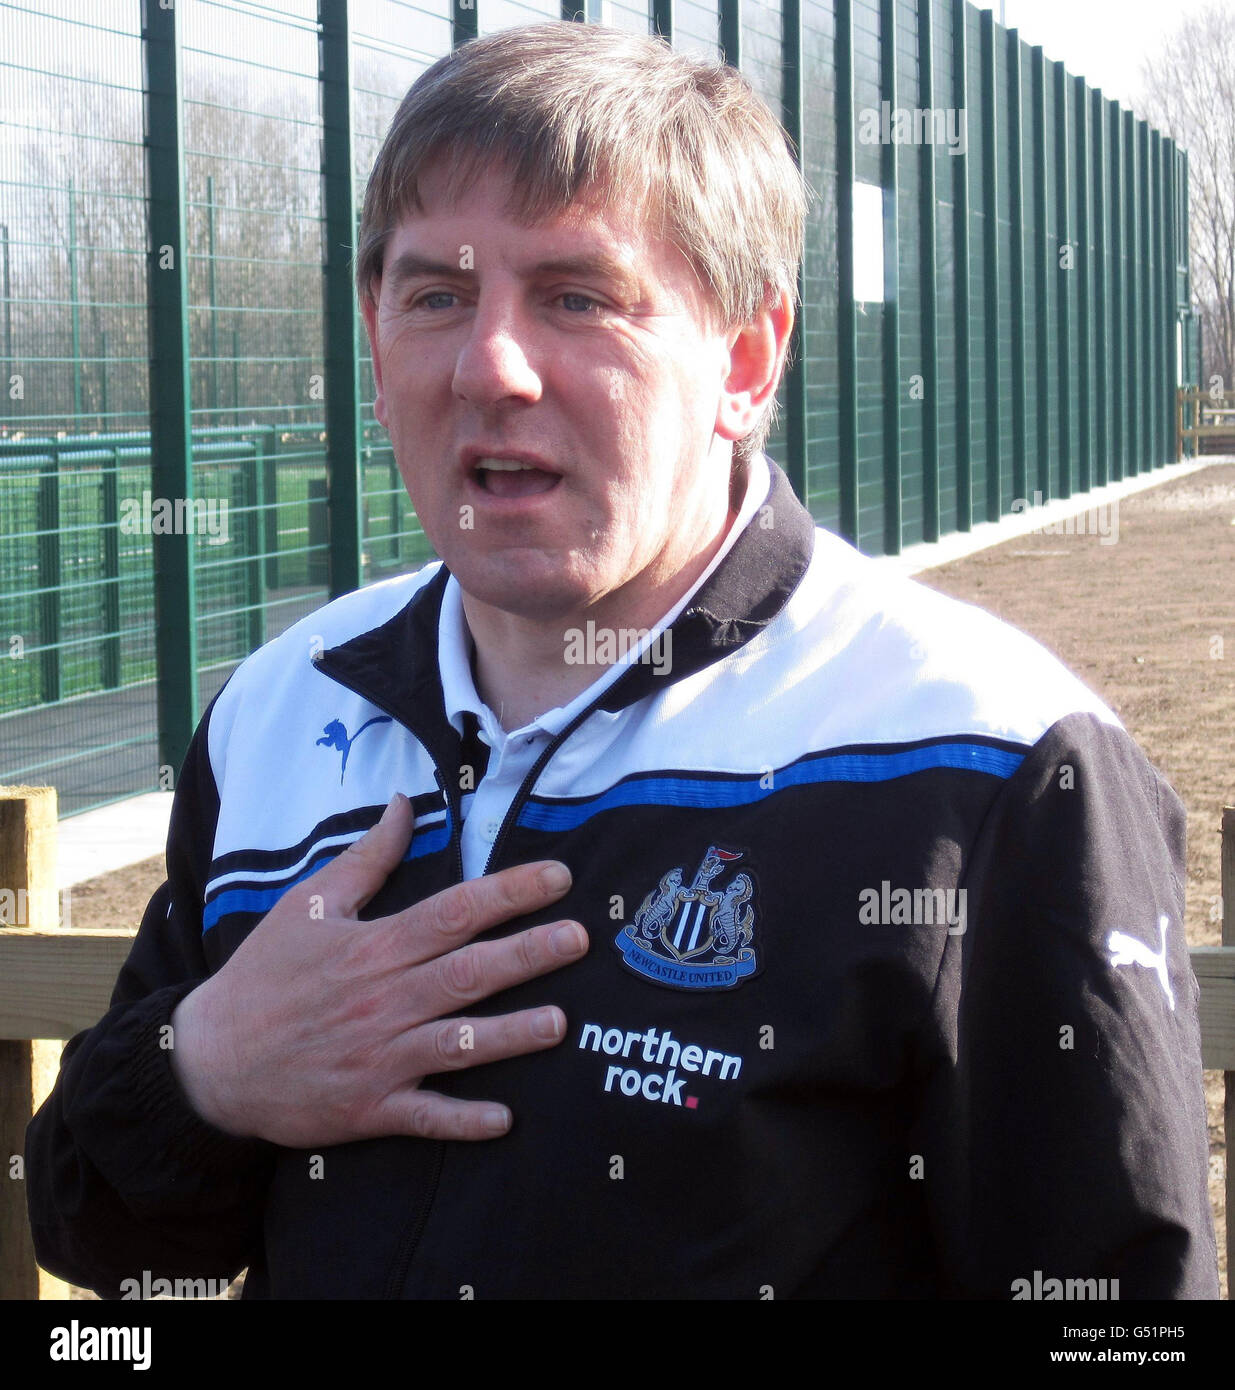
point(756, 360)
point(368, 309)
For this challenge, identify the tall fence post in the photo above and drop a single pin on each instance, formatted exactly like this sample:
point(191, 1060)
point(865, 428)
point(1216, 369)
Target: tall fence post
point(988, 69)
point(893, 520)
point(1063, 280)
point(960, 229)
point(27, 1069)
point(1119, 302)
point(929, 271)
point(51, 592)
point(1170, 284)
point(1148, 395)
point(1132, 197)
point(846, 307)
point(110, 508)
point(795, 373)
point(1043, 279)
point(463, 22)
point(1084, 290)
point(731, 32)
point(1016, 187)
point(1102, 290)
point(341, 326)
point(171, 442)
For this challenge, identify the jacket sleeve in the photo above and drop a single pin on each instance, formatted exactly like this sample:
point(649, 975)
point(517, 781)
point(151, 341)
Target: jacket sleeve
point(1064, 1129)
point(122, 1174)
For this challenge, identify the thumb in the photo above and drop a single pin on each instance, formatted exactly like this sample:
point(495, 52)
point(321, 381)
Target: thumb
point(351, 879)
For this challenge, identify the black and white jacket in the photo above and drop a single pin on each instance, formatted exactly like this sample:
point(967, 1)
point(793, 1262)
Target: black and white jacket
point(888, 993)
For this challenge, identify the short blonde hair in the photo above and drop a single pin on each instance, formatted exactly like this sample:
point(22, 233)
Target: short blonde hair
point(580, 111)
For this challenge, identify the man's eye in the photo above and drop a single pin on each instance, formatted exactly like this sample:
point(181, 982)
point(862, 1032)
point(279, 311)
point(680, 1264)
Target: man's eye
point(579, 303)
point(424, 301)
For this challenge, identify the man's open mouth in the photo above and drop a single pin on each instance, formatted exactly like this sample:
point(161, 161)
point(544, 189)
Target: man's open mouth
point(510, 478)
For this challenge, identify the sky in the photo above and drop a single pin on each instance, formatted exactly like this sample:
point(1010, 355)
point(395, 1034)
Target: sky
point(1105, 41)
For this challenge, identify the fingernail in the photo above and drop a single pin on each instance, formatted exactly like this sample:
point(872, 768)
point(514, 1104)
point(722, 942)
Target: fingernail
point(555, 878)
point(546, 1023)
point(568, 940)
point(497, 1120)
point(390, 806)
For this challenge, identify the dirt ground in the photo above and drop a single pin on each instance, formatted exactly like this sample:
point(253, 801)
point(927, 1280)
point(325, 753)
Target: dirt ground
point(1140, 602)
point(1148, 621)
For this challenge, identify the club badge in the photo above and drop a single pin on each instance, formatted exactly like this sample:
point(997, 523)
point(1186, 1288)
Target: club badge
point(694, 937)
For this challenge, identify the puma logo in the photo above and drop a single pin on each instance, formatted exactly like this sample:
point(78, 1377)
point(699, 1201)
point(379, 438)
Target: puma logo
point(1127, 950)
point(336, 737)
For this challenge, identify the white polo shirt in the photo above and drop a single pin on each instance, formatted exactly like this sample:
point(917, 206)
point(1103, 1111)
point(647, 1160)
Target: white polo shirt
point(512, 754)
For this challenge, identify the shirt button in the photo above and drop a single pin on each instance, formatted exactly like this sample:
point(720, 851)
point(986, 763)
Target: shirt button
point(491, 829)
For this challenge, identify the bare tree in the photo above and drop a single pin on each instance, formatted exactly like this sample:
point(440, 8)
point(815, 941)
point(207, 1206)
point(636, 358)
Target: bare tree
point(1189, 92)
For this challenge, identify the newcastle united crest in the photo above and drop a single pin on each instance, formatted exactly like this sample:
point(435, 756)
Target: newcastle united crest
point(696, 936)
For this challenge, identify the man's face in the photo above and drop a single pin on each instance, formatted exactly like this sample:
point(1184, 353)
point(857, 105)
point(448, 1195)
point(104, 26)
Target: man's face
point(574, 357)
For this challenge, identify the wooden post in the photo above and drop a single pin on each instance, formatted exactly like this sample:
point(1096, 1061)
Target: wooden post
point(27, 1069)
point(1228, 1107)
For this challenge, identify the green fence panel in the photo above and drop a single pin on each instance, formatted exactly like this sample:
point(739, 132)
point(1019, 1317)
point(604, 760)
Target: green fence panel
point(910, 385)
point(1034, 321)
point(948, 283)
point(827, 332)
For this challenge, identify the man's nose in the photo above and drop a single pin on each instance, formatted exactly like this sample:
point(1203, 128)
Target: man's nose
point(495, 362)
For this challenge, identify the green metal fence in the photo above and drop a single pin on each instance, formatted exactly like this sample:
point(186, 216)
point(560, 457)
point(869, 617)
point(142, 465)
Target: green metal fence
point(176, 212)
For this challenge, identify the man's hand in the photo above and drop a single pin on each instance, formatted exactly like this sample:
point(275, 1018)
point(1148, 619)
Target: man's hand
point(320, 1028)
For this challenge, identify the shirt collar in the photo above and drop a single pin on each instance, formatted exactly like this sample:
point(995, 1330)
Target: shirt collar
point(395, 664)
point(455, 642)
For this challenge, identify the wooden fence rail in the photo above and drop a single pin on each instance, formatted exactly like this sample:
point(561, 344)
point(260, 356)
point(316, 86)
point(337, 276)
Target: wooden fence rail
point(1201, 414)
point(54, 983)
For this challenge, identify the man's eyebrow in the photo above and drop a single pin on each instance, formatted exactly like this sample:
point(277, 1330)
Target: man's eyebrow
point(598, 265)
point(589, 265)
point(409, 266)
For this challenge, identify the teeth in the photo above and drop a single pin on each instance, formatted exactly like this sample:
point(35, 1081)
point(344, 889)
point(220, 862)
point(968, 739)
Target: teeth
point(505, 465)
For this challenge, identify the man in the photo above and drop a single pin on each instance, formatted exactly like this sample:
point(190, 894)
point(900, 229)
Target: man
point(827, 865)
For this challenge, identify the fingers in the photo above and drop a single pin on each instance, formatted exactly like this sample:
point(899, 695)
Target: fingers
point(430, 1115)
point(348, 882)
point(451, 1044)
point(447, 920)
point(484, 968)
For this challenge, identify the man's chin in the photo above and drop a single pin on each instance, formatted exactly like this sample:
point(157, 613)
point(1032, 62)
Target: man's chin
point(535, 594)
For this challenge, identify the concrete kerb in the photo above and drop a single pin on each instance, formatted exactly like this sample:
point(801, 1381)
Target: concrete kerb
point(112, 837)
point(916, 558)
point(126, 832)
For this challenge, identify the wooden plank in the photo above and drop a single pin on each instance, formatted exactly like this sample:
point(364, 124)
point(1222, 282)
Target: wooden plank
point(28, 902)
point(55, 983)
point(28, 857)
point(19, 1275)
point(1215, 973)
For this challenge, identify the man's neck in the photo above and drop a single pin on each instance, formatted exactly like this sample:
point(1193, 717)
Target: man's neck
point(520, 665)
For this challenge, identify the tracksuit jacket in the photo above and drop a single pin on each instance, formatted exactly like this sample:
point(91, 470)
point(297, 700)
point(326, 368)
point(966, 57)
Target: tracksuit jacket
point(887, 996)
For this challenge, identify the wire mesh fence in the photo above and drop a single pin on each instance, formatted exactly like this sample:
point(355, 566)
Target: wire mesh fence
point(1028, 325)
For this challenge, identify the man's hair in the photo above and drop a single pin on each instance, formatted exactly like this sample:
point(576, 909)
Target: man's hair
point(578, 111)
